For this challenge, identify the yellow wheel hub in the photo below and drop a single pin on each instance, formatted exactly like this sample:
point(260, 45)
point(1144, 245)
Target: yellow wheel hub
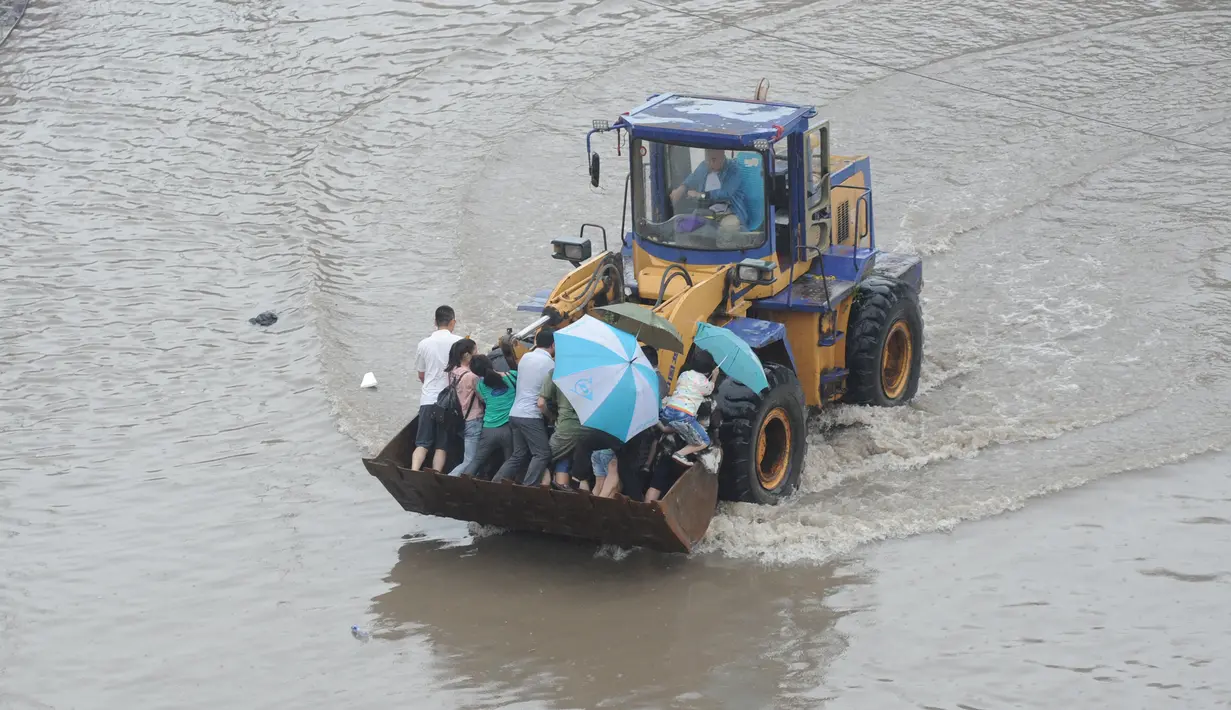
point(774, 449)
point(896, 359)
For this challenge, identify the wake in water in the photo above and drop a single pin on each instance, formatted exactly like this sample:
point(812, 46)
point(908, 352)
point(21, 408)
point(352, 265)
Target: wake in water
point(1056, 311)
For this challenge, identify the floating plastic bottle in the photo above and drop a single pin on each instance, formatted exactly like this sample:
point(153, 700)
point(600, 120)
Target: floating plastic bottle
point(360, 634)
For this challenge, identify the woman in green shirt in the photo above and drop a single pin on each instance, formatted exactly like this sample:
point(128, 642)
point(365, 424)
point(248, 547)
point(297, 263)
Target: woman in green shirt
point(497, 390)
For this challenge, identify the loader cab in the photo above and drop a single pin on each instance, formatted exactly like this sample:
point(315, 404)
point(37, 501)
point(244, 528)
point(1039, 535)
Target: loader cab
point(699, 198)
point(761, 171)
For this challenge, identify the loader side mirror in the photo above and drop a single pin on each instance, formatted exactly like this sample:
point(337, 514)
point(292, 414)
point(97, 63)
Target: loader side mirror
point(594, 169)
point(574, 250)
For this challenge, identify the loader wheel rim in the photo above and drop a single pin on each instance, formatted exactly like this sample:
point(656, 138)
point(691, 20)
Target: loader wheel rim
point(774, 449)
point(896, 360)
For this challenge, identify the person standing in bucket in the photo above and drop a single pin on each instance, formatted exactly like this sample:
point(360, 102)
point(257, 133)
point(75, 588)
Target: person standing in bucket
point(471, 403)
point(497, 391)
point(679, 411)
point(529, 430)
point(431, 358)
point(567, 431)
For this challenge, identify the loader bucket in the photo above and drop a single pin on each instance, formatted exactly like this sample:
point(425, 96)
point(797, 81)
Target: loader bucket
point(674, 524)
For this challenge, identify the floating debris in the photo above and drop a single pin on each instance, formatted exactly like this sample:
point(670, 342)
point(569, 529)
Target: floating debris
point(369, 381)
point(266, 318)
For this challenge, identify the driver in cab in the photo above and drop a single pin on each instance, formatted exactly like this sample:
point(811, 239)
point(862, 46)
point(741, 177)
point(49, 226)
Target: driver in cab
point(724, 184)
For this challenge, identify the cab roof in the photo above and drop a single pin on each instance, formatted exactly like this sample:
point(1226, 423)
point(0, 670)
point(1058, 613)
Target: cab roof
point(709, 119)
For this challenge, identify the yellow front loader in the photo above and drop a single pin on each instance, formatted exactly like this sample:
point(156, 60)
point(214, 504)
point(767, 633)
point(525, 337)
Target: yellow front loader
point(741, 218)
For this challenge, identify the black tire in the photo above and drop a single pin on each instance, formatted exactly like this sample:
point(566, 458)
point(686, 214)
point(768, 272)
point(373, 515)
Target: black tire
point(751, 472)
point(884, 336)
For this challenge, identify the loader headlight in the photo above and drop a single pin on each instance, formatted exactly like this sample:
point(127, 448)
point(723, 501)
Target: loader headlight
point(570, 249)
point(754, 271)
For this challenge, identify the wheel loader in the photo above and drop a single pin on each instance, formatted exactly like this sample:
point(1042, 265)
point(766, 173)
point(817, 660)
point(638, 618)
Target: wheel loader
point(775, 242)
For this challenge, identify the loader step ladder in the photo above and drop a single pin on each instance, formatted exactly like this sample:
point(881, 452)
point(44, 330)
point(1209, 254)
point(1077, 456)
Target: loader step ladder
point(832, 338)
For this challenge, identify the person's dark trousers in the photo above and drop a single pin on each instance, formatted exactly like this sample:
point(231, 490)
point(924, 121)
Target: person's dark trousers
point(664, 474)
point(590, 441)
point(632, 458)
point(492, 440)
point(529, 442)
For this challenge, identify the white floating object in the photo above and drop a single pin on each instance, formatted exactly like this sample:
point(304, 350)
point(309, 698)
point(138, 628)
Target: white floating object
point(369, 380)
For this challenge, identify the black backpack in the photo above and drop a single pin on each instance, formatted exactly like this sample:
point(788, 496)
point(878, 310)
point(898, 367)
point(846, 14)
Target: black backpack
point(449, 412)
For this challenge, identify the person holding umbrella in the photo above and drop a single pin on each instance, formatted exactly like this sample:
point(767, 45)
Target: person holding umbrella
point(734, 357)
point(680, 409)
point(612, 386)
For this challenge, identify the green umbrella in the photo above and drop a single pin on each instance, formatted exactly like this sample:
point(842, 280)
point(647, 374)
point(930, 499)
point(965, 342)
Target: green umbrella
point(649, 327)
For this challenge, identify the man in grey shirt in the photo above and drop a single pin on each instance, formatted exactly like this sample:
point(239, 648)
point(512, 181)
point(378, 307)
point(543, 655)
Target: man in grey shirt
point(525, 419)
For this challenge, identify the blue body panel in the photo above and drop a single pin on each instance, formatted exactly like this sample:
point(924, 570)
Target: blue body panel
point(536, 302)
point(808, 295)
point(716, 122)
point(863, 165)
point(846, 263)
point(904, 267)
point(760, 333)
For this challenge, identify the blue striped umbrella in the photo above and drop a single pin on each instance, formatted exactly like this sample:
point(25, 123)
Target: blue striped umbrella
point(605, 376)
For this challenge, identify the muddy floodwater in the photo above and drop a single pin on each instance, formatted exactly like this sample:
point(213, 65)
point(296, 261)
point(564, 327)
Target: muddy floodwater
point(184, 519)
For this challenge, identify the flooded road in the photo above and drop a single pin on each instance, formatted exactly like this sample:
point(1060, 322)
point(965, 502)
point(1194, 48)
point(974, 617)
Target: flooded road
point(184, 520)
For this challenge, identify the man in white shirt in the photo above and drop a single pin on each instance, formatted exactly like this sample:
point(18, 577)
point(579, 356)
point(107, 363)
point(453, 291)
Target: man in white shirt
point(431, 357)
point(529, 430)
